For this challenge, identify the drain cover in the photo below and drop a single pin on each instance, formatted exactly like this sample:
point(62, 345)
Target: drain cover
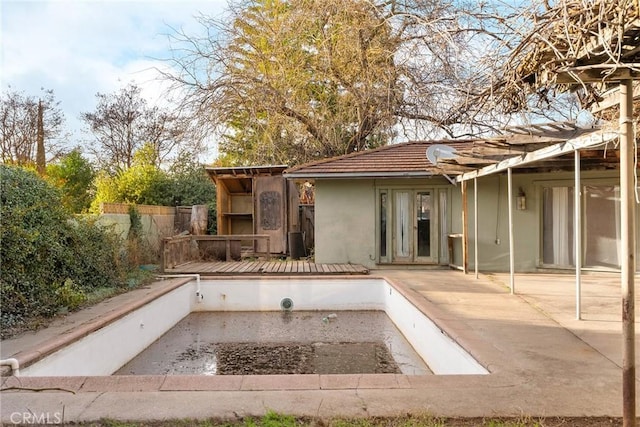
point(286, 304)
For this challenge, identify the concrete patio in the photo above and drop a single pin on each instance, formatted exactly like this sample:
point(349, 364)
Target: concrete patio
point(543, 362)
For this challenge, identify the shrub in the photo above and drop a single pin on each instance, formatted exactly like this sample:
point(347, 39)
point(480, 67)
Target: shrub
point(48, 259)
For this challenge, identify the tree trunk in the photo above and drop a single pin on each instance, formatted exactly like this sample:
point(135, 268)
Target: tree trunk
point(199, 214)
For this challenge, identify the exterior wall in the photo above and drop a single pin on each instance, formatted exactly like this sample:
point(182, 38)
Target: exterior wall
point(493, 217)
point(345, 217)
point(345, 222)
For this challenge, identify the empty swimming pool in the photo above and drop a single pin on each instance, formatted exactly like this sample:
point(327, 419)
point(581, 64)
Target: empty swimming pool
point(129, 335)
point(286, 342)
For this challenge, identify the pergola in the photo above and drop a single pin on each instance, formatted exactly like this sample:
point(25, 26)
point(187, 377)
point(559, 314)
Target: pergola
point(594, 46)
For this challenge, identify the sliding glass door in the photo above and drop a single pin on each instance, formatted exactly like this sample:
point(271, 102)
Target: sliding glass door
point(600, 212)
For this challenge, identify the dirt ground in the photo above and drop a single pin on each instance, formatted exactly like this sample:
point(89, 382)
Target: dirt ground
point(278, 359)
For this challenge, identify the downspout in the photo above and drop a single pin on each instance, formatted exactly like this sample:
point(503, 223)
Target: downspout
point(14, 364)
point(199, 296)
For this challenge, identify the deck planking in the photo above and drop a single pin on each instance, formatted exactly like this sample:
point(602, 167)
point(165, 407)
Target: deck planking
point(236, 268)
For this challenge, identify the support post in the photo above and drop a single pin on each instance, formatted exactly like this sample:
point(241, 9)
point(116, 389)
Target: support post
point(475, 224)
point(465, 228)
point(511, 251)
point(577, 232)
point(628, 261)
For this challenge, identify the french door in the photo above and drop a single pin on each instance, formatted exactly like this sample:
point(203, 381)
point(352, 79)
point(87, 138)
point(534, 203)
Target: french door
point(414, 230)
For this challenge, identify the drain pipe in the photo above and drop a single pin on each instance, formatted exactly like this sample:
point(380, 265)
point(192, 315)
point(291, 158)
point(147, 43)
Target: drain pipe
point(199, 296)
point(15, 366)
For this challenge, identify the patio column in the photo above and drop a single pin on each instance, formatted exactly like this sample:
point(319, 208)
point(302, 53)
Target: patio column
point(628, 252)
point(511, 255)
point(465, 229)
point(577, 232)
point(475, 223)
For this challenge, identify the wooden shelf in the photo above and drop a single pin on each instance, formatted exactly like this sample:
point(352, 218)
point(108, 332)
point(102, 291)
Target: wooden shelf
point(238, 214)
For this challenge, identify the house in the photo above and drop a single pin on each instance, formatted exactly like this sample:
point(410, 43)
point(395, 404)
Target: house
point(393, 206)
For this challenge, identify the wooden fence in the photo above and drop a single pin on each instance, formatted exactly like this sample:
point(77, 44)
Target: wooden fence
point(123, 208)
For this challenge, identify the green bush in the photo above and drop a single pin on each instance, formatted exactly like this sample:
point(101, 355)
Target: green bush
point(42, 250)
point(70, 295)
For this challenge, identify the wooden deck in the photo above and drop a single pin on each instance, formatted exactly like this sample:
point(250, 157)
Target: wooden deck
point(266, 268)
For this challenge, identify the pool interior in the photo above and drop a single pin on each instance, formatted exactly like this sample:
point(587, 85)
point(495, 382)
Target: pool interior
point(279, 342)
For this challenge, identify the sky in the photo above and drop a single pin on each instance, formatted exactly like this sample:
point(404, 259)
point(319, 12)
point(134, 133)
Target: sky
point(81, 47)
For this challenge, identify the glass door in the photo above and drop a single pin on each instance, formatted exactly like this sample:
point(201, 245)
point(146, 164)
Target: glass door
point(402, 230)
point(414, 227)
point(600, 210)
point(423, 225)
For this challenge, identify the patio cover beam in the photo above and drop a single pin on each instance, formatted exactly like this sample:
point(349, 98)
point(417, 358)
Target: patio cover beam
point(555, 150)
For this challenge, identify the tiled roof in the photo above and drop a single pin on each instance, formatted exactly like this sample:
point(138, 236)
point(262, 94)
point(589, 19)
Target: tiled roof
point(409, 158)
point(403, 159)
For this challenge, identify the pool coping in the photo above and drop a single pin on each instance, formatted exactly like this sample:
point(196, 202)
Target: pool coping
point(49, 346)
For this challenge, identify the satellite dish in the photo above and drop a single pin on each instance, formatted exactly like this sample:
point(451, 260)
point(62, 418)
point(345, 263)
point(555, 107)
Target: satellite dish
point(436, 152)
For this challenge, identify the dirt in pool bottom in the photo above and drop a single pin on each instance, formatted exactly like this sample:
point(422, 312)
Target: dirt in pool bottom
point(279, 358)
point(273, 343)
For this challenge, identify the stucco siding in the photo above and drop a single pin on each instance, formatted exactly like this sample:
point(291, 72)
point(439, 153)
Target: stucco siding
point(345, 222)
point(493, 217)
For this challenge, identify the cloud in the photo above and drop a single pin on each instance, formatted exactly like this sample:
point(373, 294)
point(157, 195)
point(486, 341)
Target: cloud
point(79, 48)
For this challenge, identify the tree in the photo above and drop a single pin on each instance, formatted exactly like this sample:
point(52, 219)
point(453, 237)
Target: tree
point(190, 183)
point(123, 123)
point(555, 39)
point(142, 183)
point(291, 81)
point(73, 175)
point(185, 183)
point(20, 127)
point(301, 80)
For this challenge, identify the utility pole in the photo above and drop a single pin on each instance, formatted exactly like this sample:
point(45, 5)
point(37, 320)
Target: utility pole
point(40, 158)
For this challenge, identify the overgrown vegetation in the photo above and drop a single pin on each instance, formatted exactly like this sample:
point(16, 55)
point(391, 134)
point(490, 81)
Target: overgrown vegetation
point(51, 262)
point(184, 184)
point(272, 419)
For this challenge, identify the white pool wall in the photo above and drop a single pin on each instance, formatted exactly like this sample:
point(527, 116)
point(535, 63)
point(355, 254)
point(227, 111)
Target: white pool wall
point(443, 355)
point(107, 349)
point(306, 294)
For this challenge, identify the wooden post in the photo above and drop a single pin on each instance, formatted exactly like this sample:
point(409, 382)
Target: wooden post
point(628, 249)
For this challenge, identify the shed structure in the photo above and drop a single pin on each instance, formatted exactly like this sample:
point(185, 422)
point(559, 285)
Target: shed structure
point(256, 200)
